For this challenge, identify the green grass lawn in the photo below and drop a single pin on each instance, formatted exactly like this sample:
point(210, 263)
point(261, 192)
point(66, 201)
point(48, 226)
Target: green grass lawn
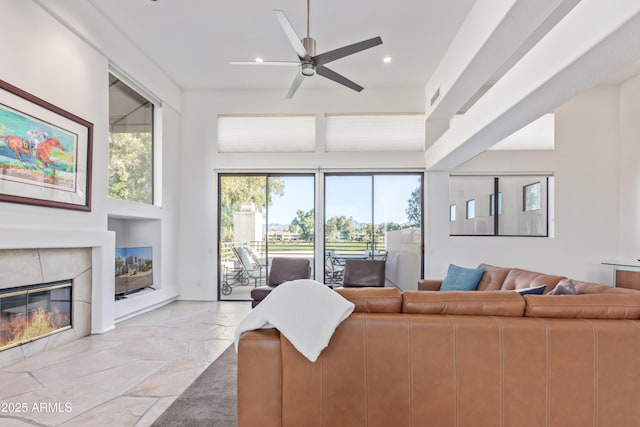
point(308, 246)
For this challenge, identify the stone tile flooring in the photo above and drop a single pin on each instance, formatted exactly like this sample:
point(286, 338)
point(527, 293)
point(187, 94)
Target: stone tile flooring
point(125, 377)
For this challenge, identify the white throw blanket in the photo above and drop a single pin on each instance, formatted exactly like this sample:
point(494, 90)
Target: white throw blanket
point(305, 311)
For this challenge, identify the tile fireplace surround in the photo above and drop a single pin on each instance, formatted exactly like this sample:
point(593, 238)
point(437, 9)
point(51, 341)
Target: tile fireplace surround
point(22, 267)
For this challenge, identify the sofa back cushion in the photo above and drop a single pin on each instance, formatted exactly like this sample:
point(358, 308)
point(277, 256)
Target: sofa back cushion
point(461, 302)
point(586, 306)
point(492, 278)
point(519, 279)
point(373, 300)
point(598, 288)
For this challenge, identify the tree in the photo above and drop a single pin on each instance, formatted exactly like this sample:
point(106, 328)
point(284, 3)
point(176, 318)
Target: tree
point(119, 266)
point(130, 167)
point(339, 227)
point(304, 224)
point(239, 189)
point(387, 226)
point(414, 211)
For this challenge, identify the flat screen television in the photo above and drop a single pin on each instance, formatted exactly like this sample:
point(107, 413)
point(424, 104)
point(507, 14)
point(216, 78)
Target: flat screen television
point(134, 270)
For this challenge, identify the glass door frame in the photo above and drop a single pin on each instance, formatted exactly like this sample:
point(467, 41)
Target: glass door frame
point(267, 175)
point(372, 174)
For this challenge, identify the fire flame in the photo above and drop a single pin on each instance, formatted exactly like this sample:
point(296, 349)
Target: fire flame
point(39, 322)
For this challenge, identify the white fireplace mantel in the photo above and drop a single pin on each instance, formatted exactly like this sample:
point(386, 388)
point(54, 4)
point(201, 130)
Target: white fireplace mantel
point(102, 244)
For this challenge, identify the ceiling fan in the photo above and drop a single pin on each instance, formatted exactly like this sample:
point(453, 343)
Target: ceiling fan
point(308, 61)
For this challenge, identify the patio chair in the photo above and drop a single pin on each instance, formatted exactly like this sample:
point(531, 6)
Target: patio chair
point(376, 255)
point(250, 269)
point(364, 273)
point(282, 270)
point(333, 269)
point(257, 258)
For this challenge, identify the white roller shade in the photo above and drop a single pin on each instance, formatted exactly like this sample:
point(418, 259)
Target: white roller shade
point(375, 132)
point(266, 134)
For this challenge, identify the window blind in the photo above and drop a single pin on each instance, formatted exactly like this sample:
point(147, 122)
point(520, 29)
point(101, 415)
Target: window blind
point(375, 132)
point(266, 133)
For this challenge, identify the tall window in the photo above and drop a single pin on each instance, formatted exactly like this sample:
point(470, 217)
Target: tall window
point(374, 216)
point(130, 143)
point(262, 216)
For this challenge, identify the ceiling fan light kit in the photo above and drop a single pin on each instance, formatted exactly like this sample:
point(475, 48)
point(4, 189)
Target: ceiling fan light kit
point(310, 63)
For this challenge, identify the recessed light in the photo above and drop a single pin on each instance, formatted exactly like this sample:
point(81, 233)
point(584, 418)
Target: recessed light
point(258, 59)
point(387, 59)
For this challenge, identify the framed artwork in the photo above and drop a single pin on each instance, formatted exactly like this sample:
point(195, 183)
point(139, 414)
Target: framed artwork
point(45, 152)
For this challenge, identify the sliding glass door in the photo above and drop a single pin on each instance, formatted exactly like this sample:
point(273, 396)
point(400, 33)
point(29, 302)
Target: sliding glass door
point(261, 216)
point(374, 216)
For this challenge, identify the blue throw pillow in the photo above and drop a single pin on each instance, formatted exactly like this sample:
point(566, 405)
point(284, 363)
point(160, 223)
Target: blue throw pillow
point(461, 279)
point(534, 290)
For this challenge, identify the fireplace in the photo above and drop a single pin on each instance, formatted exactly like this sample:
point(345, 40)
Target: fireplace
point(35, 311)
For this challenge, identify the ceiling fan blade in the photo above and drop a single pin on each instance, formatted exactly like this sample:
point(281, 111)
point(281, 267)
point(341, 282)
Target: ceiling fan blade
point(295, 85)
point(279, 63)
point(341, 52)
point(291, 34)
point(338, 78)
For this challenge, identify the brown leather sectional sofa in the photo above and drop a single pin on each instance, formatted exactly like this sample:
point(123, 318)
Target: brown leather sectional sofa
point(505, 278)
point(455, 359)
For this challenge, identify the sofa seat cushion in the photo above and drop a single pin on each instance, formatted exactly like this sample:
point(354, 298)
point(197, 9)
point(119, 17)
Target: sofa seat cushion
point(261, 292)
point(460, 302)
point(373, 300)
point(586, 306)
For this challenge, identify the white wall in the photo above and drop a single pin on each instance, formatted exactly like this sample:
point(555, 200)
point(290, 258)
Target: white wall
point(200, 161)
point(585, 164)
point(68, 67)
point(53, 64)
point(629, 190)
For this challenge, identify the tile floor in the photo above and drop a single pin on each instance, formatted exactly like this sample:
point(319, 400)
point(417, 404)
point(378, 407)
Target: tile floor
point(126, 377)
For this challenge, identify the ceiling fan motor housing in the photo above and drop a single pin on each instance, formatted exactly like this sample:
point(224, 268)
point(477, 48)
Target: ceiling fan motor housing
point(309, 45)
point(308, 67)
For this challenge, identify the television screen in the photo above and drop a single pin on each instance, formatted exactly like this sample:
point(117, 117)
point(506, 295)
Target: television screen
point(134, 270)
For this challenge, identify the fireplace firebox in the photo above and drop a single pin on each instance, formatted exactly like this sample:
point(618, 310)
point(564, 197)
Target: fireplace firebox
point(31, 312)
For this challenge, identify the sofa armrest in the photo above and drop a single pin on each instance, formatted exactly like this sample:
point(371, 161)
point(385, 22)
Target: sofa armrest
point(429, 285)
point(260, 379)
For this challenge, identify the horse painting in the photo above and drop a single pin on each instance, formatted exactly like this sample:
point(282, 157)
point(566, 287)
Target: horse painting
point(43, 151)
point(40, 151)
point(18, 145)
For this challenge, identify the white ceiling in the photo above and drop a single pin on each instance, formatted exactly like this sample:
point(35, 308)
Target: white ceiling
point(193, 40)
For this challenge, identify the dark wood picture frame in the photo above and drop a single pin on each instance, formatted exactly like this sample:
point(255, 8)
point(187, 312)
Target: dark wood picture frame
point(45, 152)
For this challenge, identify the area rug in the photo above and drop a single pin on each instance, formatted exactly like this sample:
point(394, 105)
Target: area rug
point(211, 400)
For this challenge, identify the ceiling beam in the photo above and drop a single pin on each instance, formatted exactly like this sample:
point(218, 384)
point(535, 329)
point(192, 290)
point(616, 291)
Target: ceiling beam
point(493, 37)
point(593, 41)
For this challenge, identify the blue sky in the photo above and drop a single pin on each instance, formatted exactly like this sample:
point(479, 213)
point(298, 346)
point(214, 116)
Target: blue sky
point(347, 195)
point(142, 252)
